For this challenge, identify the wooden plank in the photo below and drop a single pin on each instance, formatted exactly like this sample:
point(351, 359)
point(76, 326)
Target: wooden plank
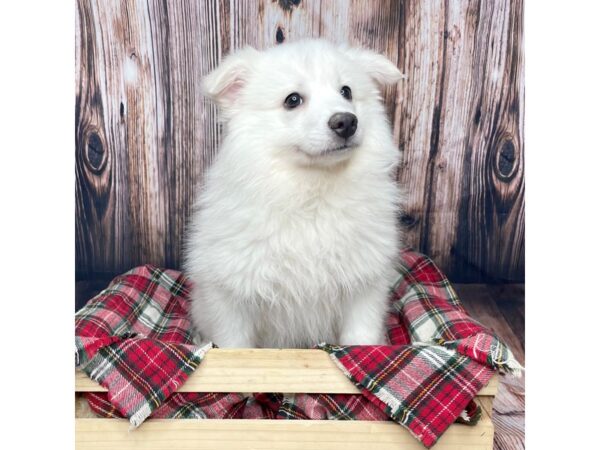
point(507, 411)
point(270, 434)
point(509, 415)
point(144, 136)
point(487, 405)
point(276, 24)
point(459, 118)
point(264, 370)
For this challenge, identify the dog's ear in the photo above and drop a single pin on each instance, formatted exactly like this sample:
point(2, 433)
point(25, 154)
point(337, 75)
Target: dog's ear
point(381, 69)
point(224, 83)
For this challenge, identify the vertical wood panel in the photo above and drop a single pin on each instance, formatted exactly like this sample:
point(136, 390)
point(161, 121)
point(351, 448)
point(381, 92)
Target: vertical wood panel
point(99, 230)
point(144, 135)
point(460, 122)
point(139, 107)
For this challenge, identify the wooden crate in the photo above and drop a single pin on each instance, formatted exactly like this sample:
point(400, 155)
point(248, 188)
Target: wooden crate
point(270, 370)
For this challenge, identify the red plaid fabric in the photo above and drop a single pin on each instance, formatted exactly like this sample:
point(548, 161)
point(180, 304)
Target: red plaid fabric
point(424, 388)
point(134, 338)
point(429, 307)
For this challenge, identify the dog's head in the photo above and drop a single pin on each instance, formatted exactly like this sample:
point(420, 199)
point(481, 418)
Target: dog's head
point(309, 101)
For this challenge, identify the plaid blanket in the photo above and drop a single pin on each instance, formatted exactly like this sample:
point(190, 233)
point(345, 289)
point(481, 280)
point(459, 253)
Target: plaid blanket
point(134, 339)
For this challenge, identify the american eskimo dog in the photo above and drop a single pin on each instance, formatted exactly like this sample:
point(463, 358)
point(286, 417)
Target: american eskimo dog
point(294, 232)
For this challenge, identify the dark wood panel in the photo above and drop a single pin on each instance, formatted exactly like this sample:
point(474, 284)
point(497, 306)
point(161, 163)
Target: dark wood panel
point(144, 133)
point(460, 120)
point(144, 136)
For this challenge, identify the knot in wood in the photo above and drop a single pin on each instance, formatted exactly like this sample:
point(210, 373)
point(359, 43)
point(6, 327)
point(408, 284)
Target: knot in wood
point(279, 37)
point(288, 5)
point(408, 220)
point(95, 154)
point(506, 160)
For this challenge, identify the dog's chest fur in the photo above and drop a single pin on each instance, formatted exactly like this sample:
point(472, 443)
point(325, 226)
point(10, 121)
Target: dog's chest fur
point(297, 245)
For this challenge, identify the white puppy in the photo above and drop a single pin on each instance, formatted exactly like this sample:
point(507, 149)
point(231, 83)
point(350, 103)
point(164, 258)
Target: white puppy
point(294, 233)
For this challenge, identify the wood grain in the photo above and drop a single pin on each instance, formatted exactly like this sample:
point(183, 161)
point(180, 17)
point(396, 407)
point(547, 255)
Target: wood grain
point(509, 415)
point(460, 111)
point(144, 134)
point(237, 434)
point(265, 370)
point(507, 410)
point(145, 137)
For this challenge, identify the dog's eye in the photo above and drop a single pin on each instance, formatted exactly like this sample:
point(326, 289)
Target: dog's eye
point(293, 100)
point(346, 92)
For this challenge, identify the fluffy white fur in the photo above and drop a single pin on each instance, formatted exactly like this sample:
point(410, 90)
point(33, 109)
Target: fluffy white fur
point(292, 243)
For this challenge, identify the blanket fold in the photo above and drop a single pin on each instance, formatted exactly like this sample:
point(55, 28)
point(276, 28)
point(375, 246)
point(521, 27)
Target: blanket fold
point(135, 339)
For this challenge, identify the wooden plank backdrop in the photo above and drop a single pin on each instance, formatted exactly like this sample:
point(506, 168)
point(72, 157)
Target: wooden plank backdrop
point(145, 137)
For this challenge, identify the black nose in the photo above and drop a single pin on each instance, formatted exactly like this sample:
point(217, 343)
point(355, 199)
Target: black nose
point(344, 124)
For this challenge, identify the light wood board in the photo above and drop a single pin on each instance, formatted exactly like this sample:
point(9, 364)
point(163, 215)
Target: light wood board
point(95, 434)
point(264, 370)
